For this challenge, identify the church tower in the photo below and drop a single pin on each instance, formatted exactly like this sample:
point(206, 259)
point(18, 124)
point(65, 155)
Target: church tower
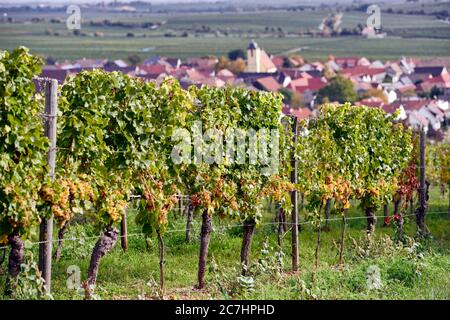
point(253, 57)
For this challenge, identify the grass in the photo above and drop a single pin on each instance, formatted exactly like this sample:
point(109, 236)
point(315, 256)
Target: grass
point(410, 272)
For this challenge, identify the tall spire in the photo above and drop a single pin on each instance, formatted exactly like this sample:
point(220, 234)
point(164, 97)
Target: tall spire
point(253, 45)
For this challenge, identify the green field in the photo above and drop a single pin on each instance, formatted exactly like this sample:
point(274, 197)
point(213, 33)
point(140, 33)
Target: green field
point(412, 272)
point(415, 36)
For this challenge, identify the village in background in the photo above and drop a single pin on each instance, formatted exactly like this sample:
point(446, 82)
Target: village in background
point(417, 87)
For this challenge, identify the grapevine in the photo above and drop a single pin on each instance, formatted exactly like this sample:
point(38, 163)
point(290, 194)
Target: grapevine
point(23, 151)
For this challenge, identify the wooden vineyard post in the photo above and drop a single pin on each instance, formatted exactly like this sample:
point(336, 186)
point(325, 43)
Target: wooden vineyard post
point(294, 199)
point(421, 211)
point(124, 231)
point(46, 226)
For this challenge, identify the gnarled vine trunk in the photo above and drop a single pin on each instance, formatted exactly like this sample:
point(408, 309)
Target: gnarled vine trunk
point(16, 258)
point(399, 219)
point(302, 208)
point(61, 234)
point(317, 253)
point(400, 227)
point(396, 206)
point(186, 206)
point(104, 244)
point(421, 211)
point(449, 199)
point(385, 214)
point(411, 209)
point(283, 218)
point(371, 220)
point(189, 222)
point(327, 213)
point(279, 237)
point(420, 220)
point(161, 265)
point(180, 207)
point(279, 225)
point(3, 255)
point(204, 245)
point(279, 220)
point(249, 230)
point(342, 242)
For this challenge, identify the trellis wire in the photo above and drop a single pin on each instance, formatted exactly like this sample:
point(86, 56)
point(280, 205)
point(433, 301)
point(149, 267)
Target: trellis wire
point(222, 228)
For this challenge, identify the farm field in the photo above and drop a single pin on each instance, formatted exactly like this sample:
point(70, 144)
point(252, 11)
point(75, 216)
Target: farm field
point(422, 274)
point(408, 35)
point(352, 203)
point(120, 47)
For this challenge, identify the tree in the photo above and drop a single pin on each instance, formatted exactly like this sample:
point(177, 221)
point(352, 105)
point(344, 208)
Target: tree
point(377, 93)
point(328, 73)
point(293, 98)
point(235, 54)
point(339, 89)
point(134, 59)
point(297, 100)
point(235, 67)
point(50, 60)
point(294, 60)
point(287, 95)
point(436, 92)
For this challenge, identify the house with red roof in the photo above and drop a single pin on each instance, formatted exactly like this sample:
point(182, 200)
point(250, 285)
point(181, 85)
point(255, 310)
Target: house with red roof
point(278, 61)
point(300, 113)
point(418, 121)
point(213, 82)
point(89, 63)
point(364, 74)
point(351, 62)
point(422, 74)
point(227, 76)
point(373, 102)
point(119, 65)
point(308, 87)
point(54, 73)
point(314, 85)
point(441, 81)
point(299, 82)
point(151, 69)
point(435, 61)
point(389, 108)
point(410, 105)
point(206, 64)
point(195, 75)
point(423, 112)
point(267, 84)
point(296, 73)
